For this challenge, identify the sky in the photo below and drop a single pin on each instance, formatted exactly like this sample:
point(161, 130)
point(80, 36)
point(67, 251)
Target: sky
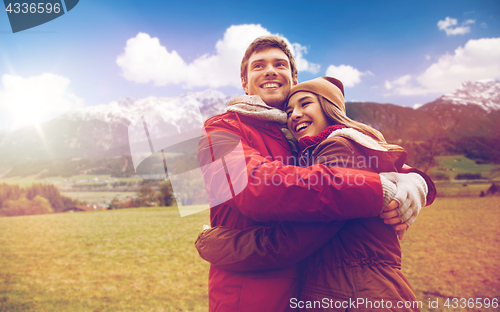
point(406, 53)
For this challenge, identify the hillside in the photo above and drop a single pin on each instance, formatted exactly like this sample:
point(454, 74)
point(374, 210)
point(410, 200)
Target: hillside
point(94, 132)
point(464, 122)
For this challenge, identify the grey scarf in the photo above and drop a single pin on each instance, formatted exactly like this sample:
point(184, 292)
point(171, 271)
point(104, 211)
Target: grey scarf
point(253, 106)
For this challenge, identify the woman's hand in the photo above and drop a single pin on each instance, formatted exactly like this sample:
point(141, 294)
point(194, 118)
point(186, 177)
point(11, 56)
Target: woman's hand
point(391, 216)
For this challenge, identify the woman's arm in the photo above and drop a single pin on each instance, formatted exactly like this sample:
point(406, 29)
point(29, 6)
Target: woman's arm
point(276, 246)
point(261, 248)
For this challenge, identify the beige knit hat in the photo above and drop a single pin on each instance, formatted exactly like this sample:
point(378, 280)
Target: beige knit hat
point(330, 88)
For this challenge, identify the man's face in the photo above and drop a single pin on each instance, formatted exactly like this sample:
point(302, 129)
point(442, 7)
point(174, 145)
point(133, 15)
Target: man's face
point(269, 76)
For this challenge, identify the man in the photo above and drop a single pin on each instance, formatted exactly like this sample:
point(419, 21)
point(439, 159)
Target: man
point(279, 191)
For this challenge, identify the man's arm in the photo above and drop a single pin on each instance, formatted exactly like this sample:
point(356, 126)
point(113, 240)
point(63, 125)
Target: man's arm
point(411, 196)
point(279, 192)
point(414, 188)
point(262, 248)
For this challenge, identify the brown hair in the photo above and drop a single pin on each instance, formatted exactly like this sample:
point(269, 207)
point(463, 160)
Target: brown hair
point(337, 116)
point(264, 43)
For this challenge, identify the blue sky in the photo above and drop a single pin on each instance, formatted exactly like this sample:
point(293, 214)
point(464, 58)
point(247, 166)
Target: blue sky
point(400, 52)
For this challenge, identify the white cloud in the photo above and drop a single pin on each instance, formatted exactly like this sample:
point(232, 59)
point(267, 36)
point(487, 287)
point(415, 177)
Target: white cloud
point(428, 57)
point(449, 25)
point(346, 73)
point(146, 60)
point(402, 81)
point(404, 85)
point(35, 99)
point(298, 52)
point(478, 59)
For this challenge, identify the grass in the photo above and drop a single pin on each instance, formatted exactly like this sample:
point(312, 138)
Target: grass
point(144, 259)
point(21, 181)
point(452, 251)
point(89, 176)
point(448, 189)
point(60, 181)
point(123, 260)
point(452, 165)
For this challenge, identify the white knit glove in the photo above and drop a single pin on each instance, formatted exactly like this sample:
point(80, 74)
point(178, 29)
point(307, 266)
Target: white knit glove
point(389, 190)
point(411, 194)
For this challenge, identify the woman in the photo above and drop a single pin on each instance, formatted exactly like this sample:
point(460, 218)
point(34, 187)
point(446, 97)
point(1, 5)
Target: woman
point(362, 263)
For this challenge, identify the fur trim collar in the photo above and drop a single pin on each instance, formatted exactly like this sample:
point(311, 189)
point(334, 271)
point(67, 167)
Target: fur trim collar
point(359, 138)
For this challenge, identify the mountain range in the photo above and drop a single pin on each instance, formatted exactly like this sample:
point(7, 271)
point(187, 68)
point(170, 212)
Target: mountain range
point(473, 110)
point(469, 114)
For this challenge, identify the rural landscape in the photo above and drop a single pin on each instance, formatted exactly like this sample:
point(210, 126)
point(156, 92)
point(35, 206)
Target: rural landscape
point(98, 237)
point(102, 113)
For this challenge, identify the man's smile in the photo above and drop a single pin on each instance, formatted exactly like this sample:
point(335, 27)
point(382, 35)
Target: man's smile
point(270, 85)
point(269, 76)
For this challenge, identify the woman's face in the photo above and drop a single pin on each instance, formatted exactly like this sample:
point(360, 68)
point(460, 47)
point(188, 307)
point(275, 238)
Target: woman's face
point(305, 116)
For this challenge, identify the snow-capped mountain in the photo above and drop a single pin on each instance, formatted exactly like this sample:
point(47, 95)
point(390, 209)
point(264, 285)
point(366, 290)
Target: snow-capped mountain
point(473, 111)
point(125, 110)
point(100, 131)
point(484, 93)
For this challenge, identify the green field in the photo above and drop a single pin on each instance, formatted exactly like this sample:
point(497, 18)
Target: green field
point(29, 180)
point(451, 189)
point(61, 182)
point(122, 260)
point(450, 166)
point(96, 197)
point(144, 259)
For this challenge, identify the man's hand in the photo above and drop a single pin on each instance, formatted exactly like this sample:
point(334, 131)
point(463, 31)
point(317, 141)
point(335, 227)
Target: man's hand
point(410, 197)
point(391, 216)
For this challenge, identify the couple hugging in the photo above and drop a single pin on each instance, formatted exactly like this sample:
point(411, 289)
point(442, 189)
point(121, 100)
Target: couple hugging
point(287, 242)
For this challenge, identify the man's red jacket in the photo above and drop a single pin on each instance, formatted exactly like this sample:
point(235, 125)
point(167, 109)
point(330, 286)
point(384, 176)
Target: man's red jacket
point(278, 191)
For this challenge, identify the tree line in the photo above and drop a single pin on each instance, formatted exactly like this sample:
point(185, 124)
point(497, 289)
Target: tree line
point(151, 193)
point(36, 199)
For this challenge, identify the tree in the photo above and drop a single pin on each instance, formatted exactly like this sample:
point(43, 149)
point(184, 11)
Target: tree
point(24, 206)
point(10, 192)
point(146, 195)
point(114, 203)
point(166, 194)
point(50, 192)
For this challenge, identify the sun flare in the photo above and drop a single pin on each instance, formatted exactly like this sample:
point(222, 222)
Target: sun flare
point(32, 100)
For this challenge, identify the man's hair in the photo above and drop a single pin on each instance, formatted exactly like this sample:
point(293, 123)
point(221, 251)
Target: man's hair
point(264, 43)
